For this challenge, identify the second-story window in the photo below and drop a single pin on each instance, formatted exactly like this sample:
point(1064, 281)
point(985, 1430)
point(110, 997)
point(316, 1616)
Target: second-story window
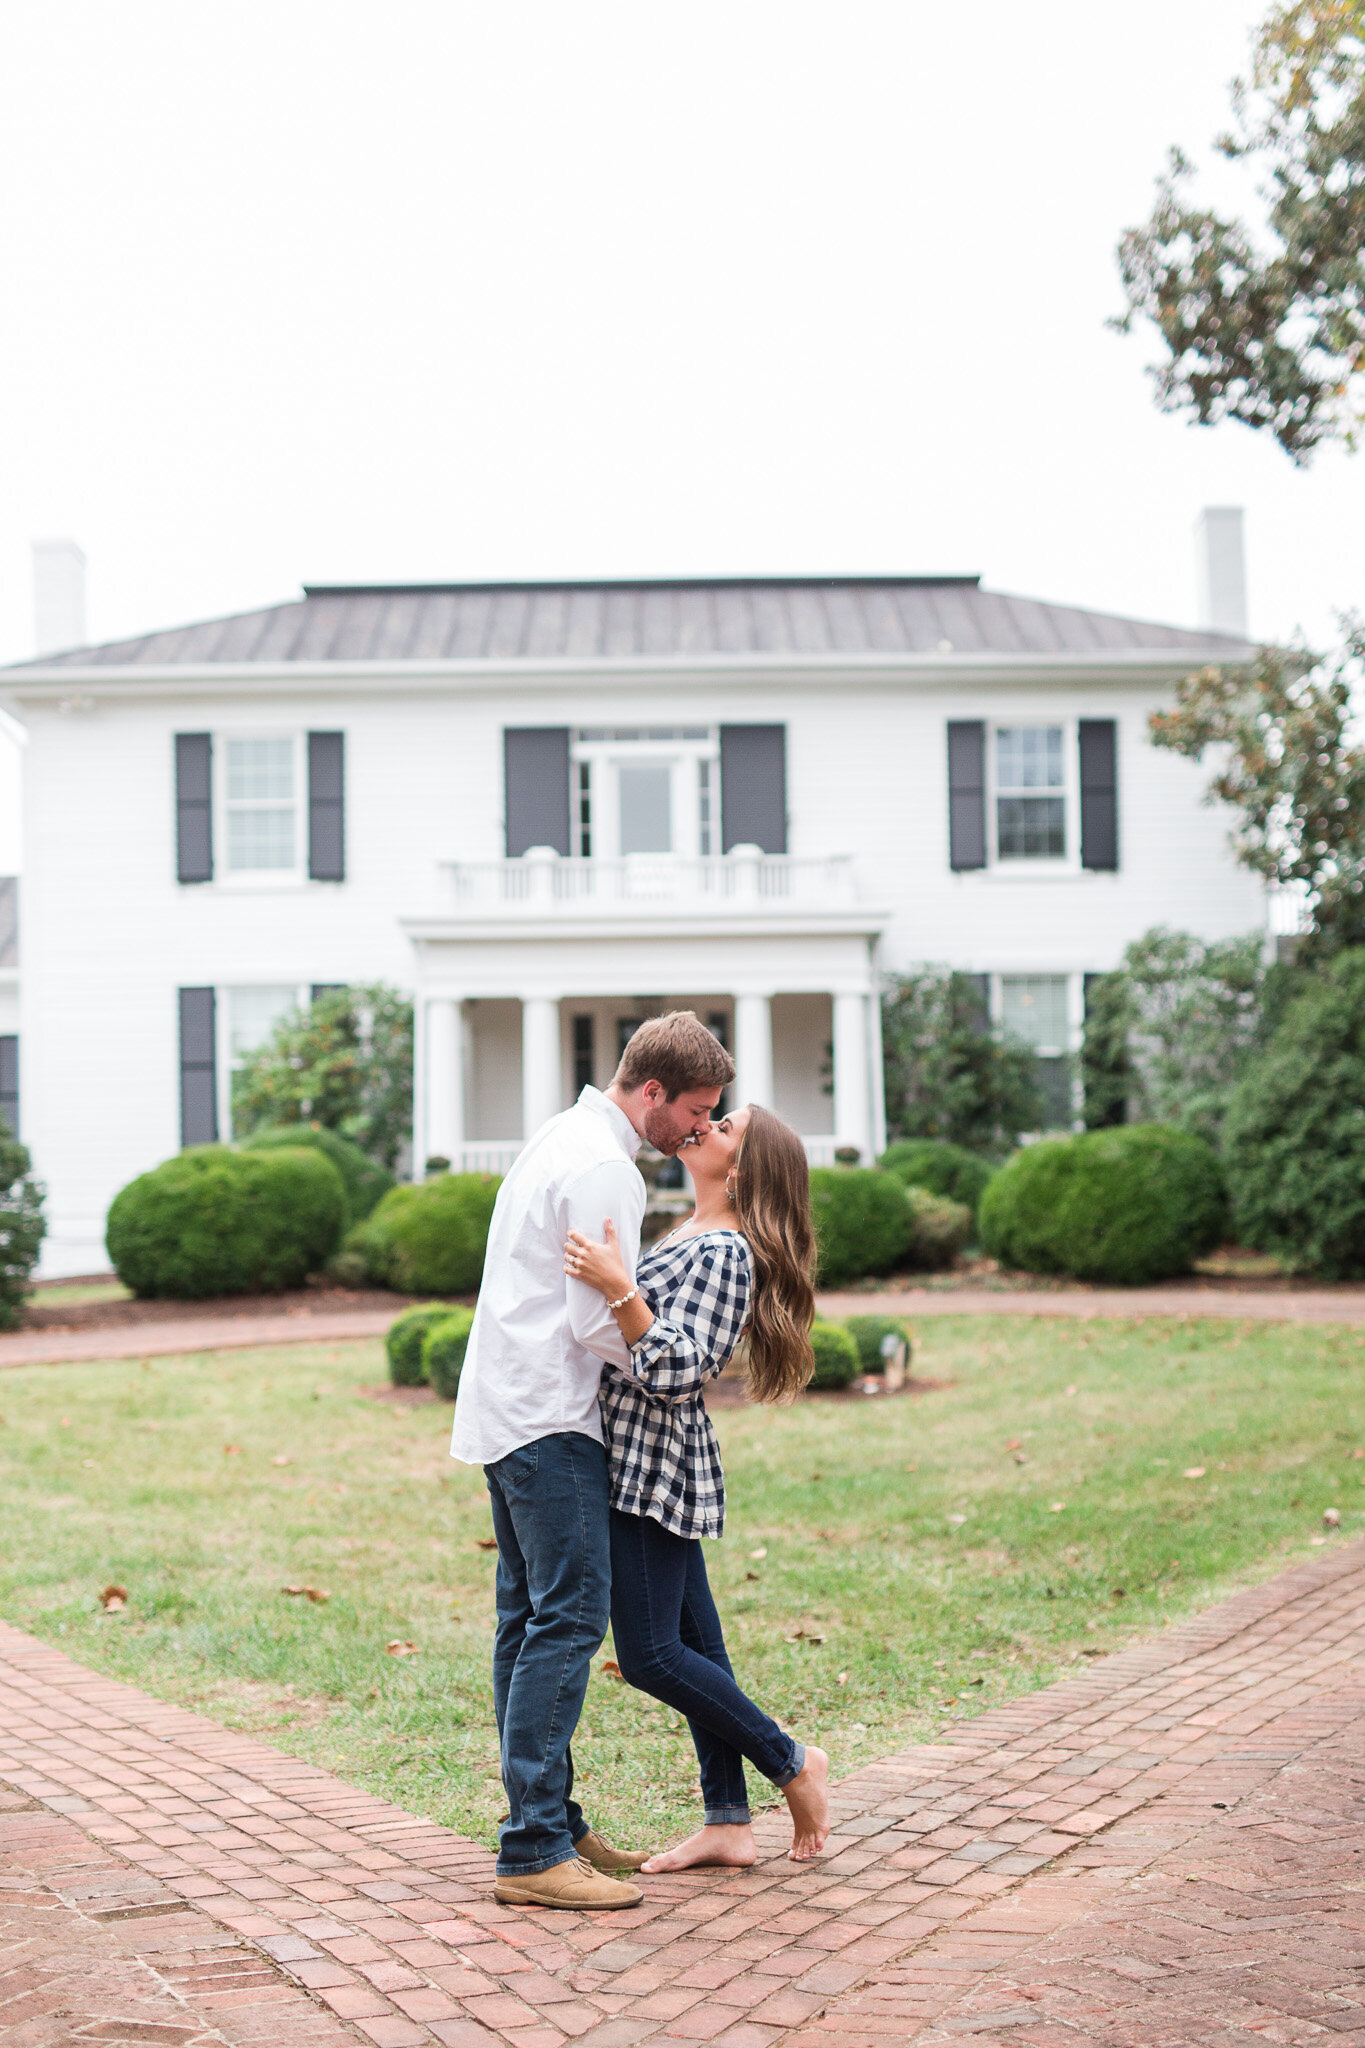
point(260, 805)
point(644, 789)
point(1030, 792)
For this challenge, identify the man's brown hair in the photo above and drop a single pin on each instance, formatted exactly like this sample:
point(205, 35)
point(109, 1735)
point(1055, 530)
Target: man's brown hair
point(678, 1052)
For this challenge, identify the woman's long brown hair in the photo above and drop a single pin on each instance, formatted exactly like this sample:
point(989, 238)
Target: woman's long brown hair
point(772, 1207)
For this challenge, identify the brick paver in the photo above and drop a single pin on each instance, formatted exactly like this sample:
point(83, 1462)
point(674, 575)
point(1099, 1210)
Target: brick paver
point(1161, 1849)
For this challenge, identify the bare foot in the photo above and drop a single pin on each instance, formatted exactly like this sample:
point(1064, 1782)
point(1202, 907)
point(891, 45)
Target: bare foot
point(807, 1797)
point(724, 1842)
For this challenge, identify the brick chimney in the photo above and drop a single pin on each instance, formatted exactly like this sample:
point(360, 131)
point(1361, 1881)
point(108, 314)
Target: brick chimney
point(1220, 567)
point(58, 596)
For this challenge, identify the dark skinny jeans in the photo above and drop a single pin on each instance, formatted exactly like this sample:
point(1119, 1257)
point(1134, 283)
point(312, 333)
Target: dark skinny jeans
point(669, 1644)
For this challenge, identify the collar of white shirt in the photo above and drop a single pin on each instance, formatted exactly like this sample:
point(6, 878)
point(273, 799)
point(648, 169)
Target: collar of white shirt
point(627, 1135)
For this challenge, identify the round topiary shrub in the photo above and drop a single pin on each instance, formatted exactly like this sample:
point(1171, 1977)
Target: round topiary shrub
point(863, 1222)
point(429, 1239)
point(443, 1350)
point(1134, 1204)
point(939, 1228)
point(1294, 1134)
point(943, 1168)
point(868, 1332)
point(362, 1179)
point(403, 1344)
point(214, 1221)
point(836, 1356)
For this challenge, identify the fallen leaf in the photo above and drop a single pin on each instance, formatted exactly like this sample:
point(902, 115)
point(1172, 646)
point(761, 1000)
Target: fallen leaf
point(816, 1477)
point(912, 1468)
point(842, 1678)
point(753, 1575)
point(761, 1552)
point(313, 1593)
point(609, 1668)
point(1020, 1458)
point(1094, 1651)
point(1071, 1390)
point(1317, 1539)
point(1120, 1592)
point(1056, 1507)
point(976, 1681)
point(804, 1635)
point(113, 1598)
point(398, 1648)
point(486, 1542)
point(1331, 1518)
point(1358, 1454)
point(281, 1461)
point(1194, 1471)
point(232, 1450)
point(1014, 1443)
point(956, 1521)
point(65, 1422)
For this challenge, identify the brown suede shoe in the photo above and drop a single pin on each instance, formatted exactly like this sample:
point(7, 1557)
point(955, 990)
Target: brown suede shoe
point(574, 1885)
point(602, 1856)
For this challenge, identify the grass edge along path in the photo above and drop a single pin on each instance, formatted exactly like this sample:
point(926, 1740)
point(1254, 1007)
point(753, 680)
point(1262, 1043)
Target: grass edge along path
point(889, 1565)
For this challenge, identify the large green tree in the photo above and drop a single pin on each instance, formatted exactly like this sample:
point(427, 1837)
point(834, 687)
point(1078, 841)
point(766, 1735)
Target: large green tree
point(1264, 320)
point(344, 1063)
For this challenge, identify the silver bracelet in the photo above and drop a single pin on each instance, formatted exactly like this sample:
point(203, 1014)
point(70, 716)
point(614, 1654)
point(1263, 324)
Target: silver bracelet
point(624, 1299)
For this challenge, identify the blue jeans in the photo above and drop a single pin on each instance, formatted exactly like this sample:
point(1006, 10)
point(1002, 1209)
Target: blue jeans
point(554, 1588)
point(669, 1643)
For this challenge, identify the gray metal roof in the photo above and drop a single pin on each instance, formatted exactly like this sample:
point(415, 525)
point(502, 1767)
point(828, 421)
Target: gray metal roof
point(772, 616)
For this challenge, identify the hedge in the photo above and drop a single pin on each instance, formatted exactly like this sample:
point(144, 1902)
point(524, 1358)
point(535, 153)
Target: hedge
point(939, 1228)
point(21, 1227)
point(443, 1350)
point(403, 1344)
point(867, 1333)
point(863, 1222)
point(1138, 1203)
point(836, 1356)
point(1294, 1133)
point(429, 1239)
point(943, 1168)
point(214, 1221)
point(362, 1179)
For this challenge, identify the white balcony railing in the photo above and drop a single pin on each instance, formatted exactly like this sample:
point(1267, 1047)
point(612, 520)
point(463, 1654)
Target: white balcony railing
point(495, 1155)
point(745, 878)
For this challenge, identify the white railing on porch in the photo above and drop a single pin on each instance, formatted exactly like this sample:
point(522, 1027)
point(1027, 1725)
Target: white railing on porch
point(745, 877)
point(495, 1155)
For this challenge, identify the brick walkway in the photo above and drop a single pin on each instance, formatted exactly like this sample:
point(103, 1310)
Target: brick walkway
point(1164, 1849)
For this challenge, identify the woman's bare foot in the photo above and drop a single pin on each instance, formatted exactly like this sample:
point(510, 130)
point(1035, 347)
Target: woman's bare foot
point(725, 1842)
point(807, 1797)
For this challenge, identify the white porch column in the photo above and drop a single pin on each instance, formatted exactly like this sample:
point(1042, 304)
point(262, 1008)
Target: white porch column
point(754, 1050)
point(852, 1097)
point(540, 1079)
point(878, 1075)
point(444, 1052)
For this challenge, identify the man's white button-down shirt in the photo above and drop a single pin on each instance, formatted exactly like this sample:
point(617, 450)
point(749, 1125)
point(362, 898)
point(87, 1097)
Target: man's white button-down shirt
point(540, 1340)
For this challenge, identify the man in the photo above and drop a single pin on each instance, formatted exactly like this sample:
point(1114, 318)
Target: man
point(527, 1412)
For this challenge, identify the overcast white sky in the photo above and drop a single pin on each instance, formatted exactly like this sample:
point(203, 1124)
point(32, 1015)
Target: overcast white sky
point(321, 291)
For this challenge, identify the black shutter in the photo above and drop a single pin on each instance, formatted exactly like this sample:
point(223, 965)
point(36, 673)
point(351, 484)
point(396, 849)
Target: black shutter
point(980, 999)
point(536, 771)
point(194, 807)
point(753, 787)
point(326, 807)
point(966, 793)
point(320, 989)
point(1099, 793)
point(198, 1068)
point(9, 1085)
point(583, 1045)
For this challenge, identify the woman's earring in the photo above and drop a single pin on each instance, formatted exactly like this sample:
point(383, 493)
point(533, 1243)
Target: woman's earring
point(729, 1187)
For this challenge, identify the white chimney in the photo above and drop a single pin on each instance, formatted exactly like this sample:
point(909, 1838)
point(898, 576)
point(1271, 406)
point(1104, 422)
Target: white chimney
point(1221, 570)
point(58, 596)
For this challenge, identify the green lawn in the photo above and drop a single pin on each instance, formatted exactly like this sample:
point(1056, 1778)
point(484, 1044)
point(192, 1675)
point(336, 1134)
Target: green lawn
point(889, 1561)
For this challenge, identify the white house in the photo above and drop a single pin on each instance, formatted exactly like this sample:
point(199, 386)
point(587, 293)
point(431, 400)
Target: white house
point(552, 809)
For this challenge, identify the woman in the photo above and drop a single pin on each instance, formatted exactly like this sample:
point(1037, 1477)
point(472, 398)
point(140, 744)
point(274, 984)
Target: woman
point(741, 1263)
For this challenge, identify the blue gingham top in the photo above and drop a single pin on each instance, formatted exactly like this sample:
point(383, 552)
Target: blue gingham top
point(665, 1461)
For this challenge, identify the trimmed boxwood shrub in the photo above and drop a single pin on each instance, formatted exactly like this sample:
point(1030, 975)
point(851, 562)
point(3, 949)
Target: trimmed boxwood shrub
point(939, 1228)
point(443, 1350)
point(21, 1227)
point(214, 1221)
point(1294, 1133)
point(863, 1222)
point(403, 1344)
point(836, 1355)
point(943, 1168)
point(1141, 1202)
point(429, 1239)
point(363, 1181)
point(867, 1333)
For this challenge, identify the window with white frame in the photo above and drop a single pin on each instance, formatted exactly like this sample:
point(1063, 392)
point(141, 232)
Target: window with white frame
point(260, 804)
point(248, 1016)
point(1029, 773)
point(644, 789)
point(1037, 1008)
